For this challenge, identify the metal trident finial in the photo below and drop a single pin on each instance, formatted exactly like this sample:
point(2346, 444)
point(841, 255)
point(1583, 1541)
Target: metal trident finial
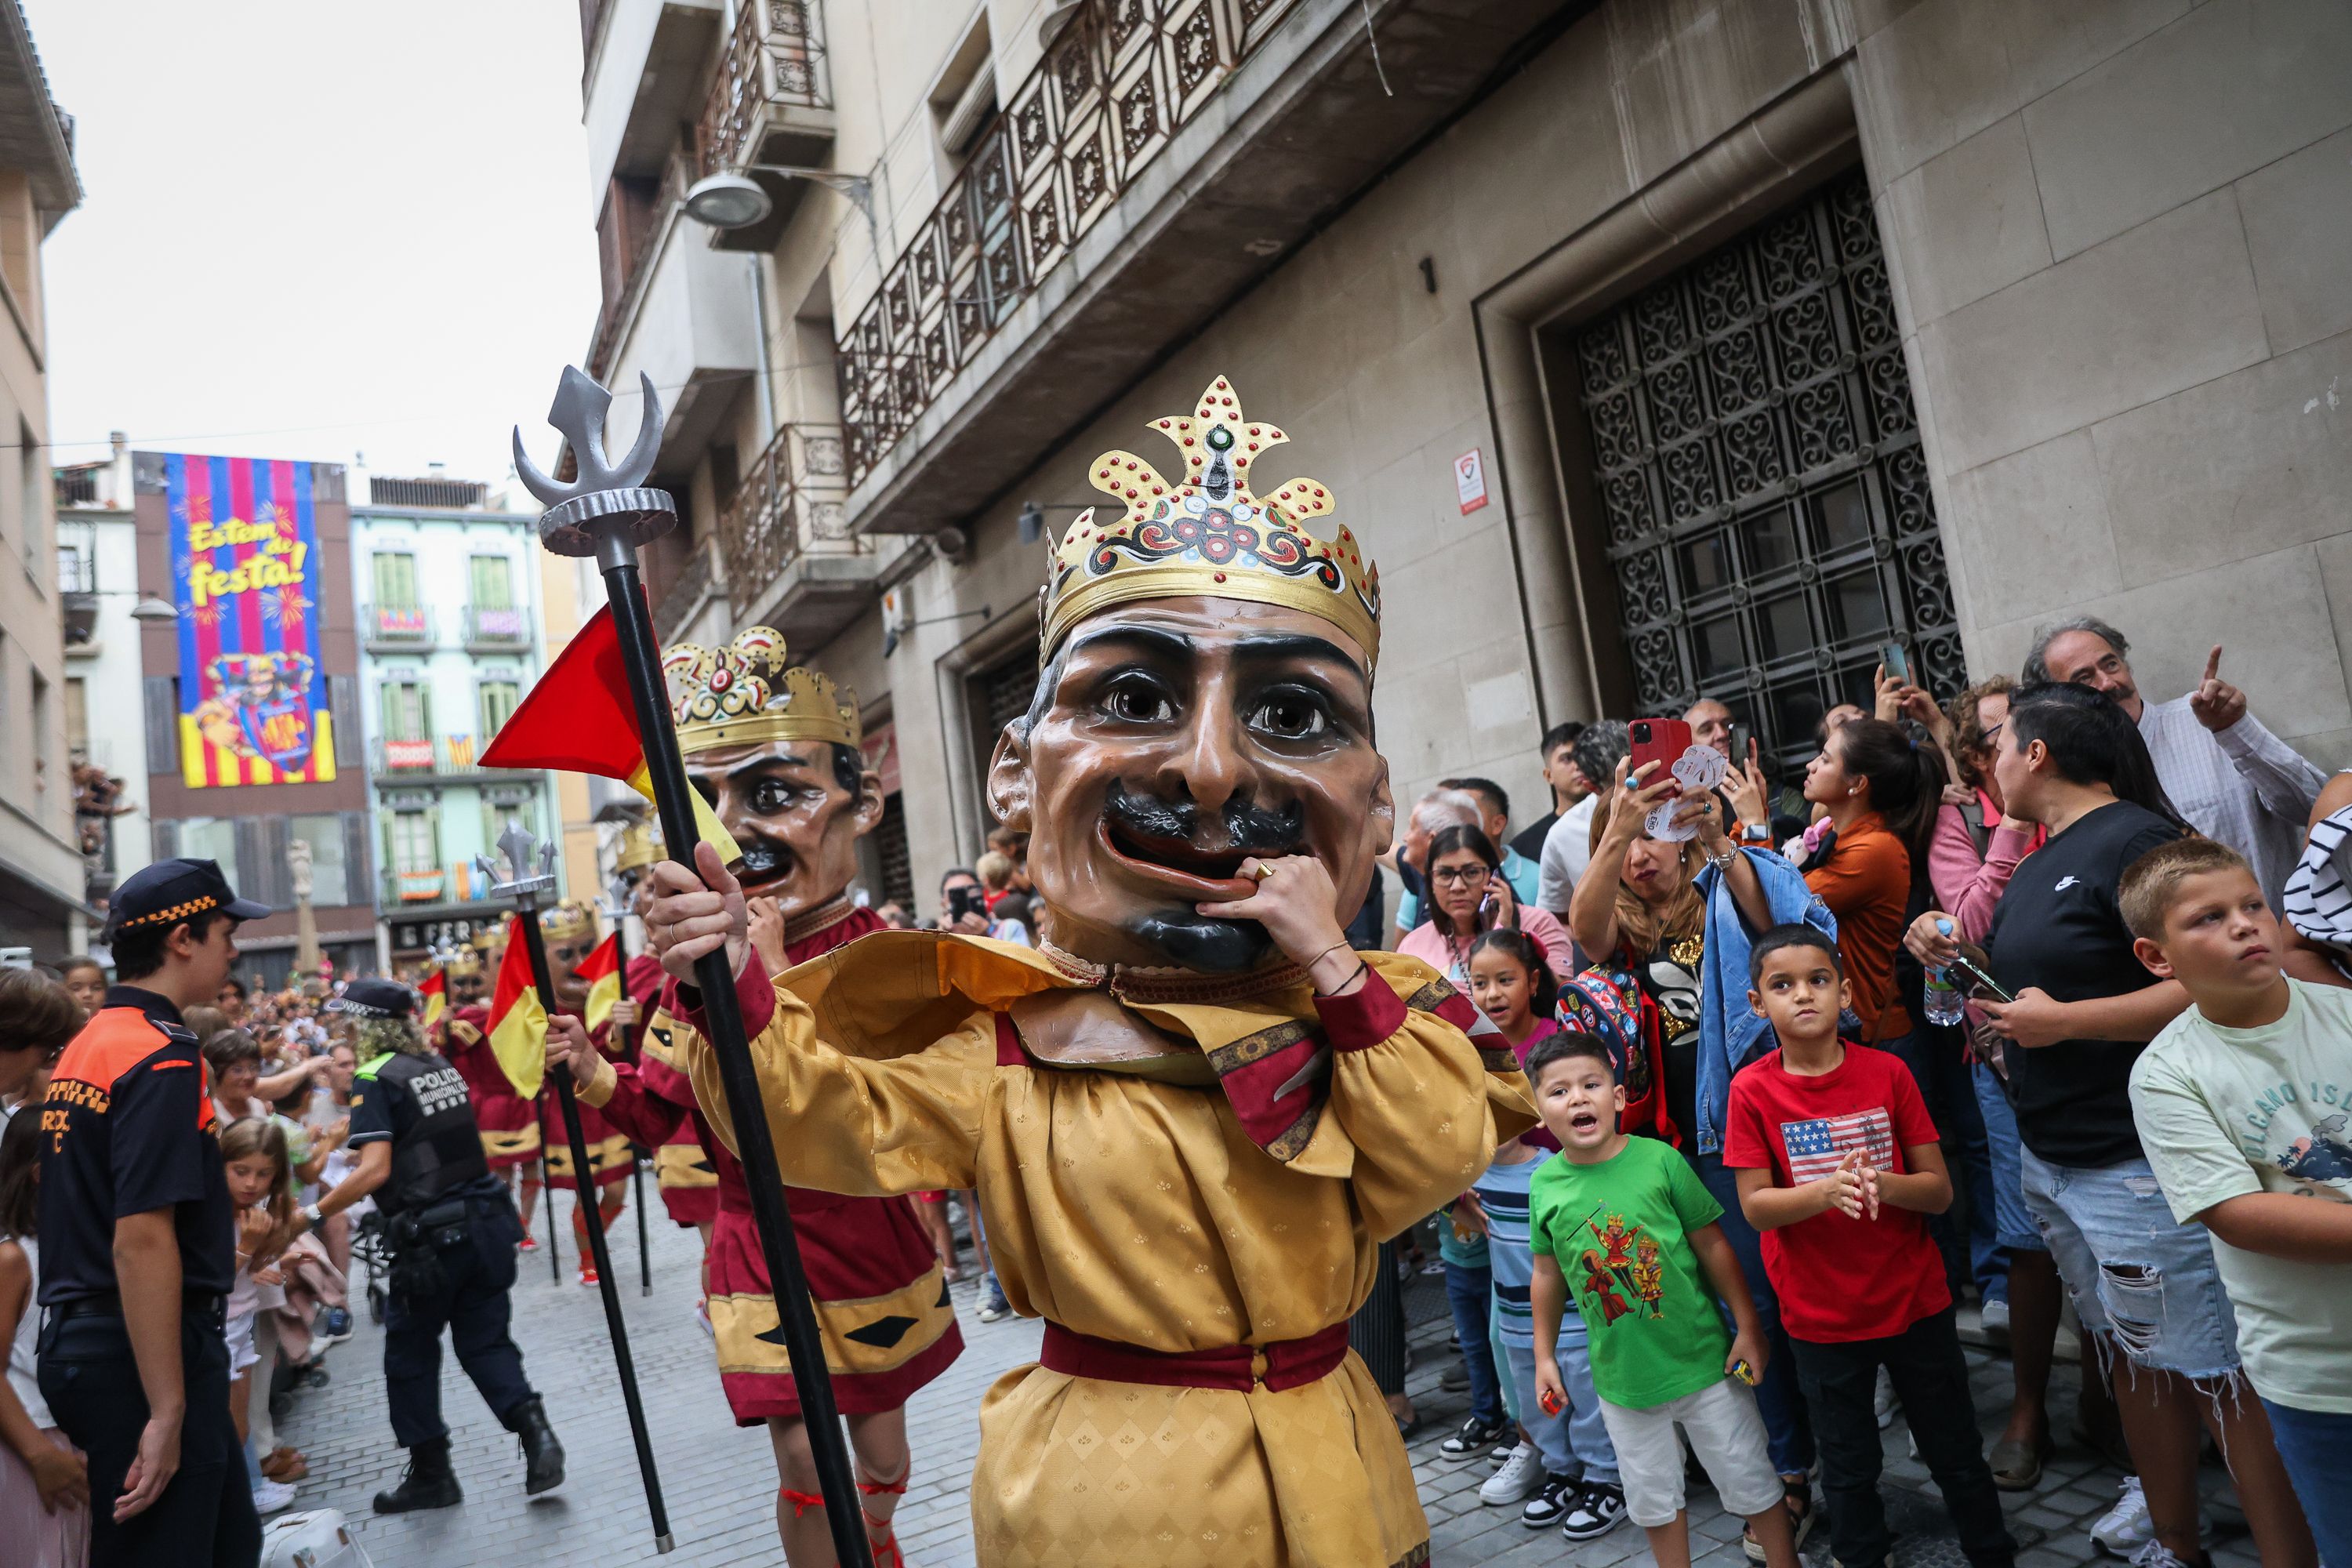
point(579, 413)
point(516, 843)
point(606, 512)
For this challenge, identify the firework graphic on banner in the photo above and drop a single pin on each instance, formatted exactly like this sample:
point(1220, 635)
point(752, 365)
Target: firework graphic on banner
point(245, 574)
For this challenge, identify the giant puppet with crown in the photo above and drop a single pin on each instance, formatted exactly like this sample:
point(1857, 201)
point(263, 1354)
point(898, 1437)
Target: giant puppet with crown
point(1192, 1112)
point(773, 750)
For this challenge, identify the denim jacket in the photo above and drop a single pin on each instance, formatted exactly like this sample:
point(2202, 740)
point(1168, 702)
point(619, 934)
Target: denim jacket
point(1730, 1034)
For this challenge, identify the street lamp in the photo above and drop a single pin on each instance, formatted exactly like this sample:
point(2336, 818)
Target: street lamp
point(731, 199)
point(154, 611)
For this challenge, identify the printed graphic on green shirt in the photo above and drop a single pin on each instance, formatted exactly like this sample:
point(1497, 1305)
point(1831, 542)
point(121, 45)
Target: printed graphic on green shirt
point(1620, 1232)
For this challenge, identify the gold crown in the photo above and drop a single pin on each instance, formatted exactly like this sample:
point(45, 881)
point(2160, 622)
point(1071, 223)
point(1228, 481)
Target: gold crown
point(744, 694)
point(567, 922)
point(486, 939)
point(461, 961)
point(640, 847)
point(1210, 535)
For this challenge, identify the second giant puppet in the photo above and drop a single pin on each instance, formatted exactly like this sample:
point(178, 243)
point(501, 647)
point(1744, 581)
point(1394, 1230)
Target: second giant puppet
point(775, 751)
point(1192, 1112)
point(568, 930)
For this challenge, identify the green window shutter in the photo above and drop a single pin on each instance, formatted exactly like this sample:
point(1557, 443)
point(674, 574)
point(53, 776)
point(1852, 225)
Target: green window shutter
point(493, 583)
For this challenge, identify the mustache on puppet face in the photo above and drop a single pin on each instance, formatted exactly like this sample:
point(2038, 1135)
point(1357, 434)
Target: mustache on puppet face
point(764, 860)
point(1168, 832)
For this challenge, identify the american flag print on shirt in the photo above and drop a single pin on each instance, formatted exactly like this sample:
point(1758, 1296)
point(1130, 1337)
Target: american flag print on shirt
point(1816, 1147)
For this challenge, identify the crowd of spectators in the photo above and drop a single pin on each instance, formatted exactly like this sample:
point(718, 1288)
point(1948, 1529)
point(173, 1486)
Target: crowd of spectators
point(1969, 867)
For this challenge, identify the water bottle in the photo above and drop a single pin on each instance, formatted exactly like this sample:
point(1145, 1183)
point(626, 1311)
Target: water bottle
point(1943, 1000)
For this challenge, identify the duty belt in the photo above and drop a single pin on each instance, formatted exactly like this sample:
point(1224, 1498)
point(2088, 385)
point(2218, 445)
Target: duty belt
point(108, 1304)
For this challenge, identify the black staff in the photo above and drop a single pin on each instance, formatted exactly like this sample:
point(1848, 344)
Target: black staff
point(607, 515)
point(618, 911)
point(547, 1201)
point(525, 888)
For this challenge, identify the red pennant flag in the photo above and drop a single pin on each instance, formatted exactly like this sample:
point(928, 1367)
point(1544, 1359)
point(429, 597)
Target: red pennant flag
point(601, 969)
point(578, 719)
point(518, 1018)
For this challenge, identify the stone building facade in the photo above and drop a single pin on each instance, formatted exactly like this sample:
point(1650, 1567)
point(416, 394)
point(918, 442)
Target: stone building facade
point(1654, 348)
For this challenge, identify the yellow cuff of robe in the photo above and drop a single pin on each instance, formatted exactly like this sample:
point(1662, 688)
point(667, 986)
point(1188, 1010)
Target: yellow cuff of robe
point(599, 1088)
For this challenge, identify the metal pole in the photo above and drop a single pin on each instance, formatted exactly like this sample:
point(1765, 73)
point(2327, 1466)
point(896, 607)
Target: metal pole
point(637, 1156)
point(547, 1194)
point(645, 1257)
point(604, 514)
point(593, 1221)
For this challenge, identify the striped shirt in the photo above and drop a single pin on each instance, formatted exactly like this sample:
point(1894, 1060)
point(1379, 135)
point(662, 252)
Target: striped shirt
point(1502, 1192)
point(2242, 786)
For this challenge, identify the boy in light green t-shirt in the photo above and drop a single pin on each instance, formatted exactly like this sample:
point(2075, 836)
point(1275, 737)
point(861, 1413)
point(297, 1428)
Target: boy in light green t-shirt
point(2242, 1104)
point(1624, 1227)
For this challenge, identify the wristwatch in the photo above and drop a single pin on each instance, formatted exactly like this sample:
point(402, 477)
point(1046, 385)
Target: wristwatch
point(1755, 833)
point(312, 1217)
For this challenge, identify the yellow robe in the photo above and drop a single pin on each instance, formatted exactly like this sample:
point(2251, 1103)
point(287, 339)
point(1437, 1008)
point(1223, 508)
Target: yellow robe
point(1133, 1208)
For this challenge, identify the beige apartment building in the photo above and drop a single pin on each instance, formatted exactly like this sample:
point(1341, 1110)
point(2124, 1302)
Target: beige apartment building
point(1654, 348)
point(41, 871)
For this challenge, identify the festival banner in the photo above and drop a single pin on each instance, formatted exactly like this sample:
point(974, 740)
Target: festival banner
point(249, 583)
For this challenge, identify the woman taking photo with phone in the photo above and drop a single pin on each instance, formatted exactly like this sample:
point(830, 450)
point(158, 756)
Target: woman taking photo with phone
point(1470, 897)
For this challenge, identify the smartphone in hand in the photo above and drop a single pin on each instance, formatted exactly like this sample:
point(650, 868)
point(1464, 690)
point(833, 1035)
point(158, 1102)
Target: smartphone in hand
point(1660, 740)
point(1897, 662)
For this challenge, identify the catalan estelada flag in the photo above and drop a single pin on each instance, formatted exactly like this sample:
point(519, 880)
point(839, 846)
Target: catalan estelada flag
point(579, 720)
point(248, 580)
point(436, 992)
point(601, 969)
point(518, 1018)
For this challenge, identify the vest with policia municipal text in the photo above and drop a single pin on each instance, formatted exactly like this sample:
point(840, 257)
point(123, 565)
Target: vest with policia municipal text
point(436, 1146)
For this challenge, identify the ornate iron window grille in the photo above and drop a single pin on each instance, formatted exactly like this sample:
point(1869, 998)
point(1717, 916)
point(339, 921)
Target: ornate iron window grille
point(1757, 458)
point(1121, 80)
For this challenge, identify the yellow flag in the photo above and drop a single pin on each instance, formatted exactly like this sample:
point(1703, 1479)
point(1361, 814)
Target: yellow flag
point(517, 1019)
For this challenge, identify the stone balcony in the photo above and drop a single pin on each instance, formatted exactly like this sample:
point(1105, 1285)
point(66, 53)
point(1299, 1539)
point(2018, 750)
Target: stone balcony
point(1164, 155)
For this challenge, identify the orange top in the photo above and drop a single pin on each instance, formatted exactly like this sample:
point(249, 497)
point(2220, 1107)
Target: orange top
point(1867, 883)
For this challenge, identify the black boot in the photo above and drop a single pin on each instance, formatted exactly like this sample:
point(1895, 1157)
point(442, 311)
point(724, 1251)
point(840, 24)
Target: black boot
point(426, 1484)
point(543, 1455)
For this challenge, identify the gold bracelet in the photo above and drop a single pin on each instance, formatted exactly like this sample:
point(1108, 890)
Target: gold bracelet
point(1325, 953)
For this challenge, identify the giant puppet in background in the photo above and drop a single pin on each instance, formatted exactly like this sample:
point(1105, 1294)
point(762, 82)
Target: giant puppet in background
point(507, 1122)
point(569, 931)
point(1192, 1112)
point(774, 748)
point(683, 1170)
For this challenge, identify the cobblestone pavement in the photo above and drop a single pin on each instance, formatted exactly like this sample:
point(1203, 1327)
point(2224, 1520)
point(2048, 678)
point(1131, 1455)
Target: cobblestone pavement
point(719, 1481)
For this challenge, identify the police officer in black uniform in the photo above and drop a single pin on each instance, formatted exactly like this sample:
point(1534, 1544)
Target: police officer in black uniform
point(452, 1232)
point(138, 1240)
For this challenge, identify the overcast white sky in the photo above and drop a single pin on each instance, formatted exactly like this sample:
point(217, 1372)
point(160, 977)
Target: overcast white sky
point(317, 227)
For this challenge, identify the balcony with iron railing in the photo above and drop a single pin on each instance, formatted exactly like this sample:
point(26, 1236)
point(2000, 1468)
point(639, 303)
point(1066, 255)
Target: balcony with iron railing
point(792, 561)
point(771, 102)
point(430, 759)
point(391, 628)
point(636, 269)
point(496, 628)
point(959, 374)
point(685, 597)
point(423, 886)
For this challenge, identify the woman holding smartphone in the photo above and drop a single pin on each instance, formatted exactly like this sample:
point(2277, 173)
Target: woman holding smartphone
point(1470, 897)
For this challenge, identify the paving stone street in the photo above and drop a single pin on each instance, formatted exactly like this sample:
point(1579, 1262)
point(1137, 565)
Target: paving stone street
point(719, 1480)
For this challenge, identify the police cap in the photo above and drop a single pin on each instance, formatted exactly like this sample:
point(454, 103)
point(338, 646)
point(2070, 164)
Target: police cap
point(374, 999)
point(171, 893)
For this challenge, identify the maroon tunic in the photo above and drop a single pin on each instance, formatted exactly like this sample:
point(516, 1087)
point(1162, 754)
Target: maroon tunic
point(882, 1304)
point(507, 1123)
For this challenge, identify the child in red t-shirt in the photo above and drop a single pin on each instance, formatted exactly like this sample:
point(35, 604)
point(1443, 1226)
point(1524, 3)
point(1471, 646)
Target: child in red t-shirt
point(1838, 1167)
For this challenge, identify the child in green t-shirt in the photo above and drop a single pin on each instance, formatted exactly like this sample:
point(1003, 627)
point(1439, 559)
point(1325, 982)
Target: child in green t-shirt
point(1624, 1227)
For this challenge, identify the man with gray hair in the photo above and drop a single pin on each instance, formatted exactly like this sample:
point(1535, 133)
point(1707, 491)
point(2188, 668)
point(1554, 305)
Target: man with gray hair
point(1569, 846)
point(2230, 778)
point(1432, 814)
